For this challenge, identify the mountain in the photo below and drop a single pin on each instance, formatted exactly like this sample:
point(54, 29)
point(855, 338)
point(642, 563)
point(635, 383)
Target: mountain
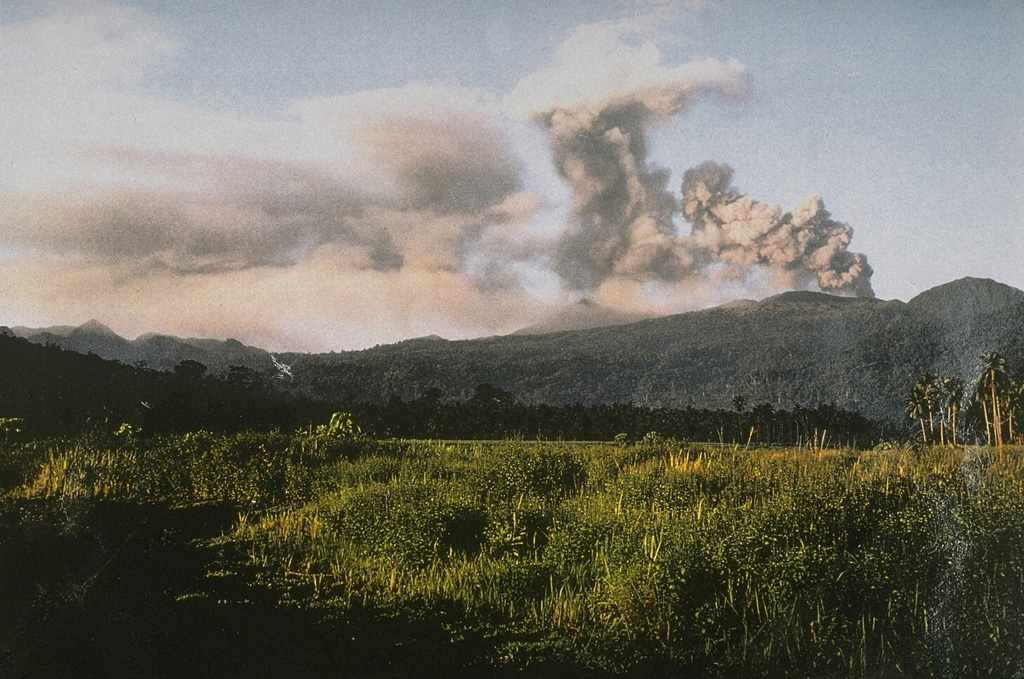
point(797, 348)
point(965, 299)
point(28, 333)
point(582, 315)
point(56, 392)
point(161, 352)
point(963, 311)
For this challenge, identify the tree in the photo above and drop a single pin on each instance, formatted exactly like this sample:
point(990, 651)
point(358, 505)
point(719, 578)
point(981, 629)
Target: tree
point(920, 404)
point(1014, 405)
point(487, 394)
point(243, 376)
point(189, 369)
point(990, 391)
point(951, 394)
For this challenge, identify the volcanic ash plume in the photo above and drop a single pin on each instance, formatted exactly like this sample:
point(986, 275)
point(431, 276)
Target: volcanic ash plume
point(599, 102)
point(621, 219)
point(806, 244)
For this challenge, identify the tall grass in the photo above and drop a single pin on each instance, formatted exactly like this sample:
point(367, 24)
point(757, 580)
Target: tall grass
point(657, 556)
point(680, 556)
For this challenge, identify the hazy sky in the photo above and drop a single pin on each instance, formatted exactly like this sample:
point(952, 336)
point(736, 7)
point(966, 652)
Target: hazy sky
point(318, 175)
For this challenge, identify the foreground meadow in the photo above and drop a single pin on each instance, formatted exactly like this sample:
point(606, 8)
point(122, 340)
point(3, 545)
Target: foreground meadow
point(656, 557)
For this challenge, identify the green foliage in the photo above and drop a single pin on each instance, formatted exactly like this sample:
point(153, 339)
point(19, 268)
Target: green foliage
point(341, 426)
point(664, 555)
point(521, 470)
point(658, 558)
point(11, 425)
point(407, 523)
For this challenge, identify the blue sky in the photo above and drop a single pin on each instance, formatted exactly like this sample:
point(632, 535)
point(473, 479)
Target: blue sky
point(312, 175)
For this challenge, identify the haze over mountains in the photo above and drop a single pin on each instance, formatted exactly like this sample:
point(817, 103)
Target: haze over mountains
point(161, 352)
point(582, 315)
point(797, 348)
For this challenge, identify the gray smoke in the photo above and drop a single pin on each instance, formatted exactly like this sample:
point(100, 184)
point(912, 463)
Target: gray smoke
point(621, 218)
point(806, 244)
point(450, 185)
point(621, 221)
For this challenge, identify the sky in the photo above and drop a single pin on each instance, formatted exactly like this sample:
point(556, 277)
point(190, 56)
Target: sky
point(312, 176)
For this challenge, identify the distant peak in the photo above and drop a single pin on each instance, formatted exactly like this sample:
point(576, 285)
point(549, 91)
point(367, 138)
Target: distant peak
point(426, 338)
point(971, 285)
point(811, 297)
point(966, 296)
point(583, 314)
point(94, 327)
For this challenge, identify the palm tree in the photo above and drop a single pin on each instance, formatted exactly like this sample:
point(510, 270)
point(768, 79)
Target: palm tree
point(990, 391)
point(919, 402)
point(930, 384)
point(951, 391)
point(1014, 403)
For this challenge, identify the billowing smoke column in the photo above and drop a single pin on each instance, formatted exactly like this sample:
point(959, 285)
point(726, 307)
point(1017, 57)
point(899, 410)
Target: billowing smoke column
point(620, 225)
point(621, 219)
point(804, 244)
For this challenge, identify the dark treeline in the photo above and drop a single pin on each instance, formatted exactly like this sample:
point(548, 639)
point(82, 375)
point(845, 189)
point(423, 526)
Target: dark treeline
point(46, 391)
point(492, 413)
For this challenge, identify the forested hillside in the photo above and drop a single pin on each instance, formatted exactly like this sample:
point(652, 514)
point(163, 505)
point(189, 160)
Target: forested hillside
point(798, 348)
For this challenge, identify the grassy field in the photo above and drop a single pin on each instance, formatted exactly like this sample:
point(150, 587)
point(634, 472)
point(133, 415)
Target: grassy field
point(280, 555)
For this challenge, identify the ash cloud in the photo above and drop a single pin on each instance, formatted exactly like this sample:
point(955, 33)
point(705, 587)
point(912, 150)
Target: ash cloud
point(621, 219)
point(803, 245)
point(449, 166)
point(371, 216)
point(621, 222)
point(448, 182)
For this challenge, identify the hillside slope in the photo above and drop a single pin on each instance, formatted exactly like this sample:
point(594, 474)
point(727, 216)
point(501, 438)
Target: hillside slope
point(797, 348)
point(160, 352)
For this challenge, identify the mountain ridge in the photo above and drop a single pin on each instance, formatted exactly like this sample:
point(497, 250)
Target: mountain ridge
point(791, 349)
point(154, 350)
point(795, 348)
point(584, 314)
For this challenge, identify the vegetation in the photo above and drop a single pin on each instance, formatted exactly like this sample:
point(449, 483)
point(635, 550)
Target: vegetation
point(655, 557)
point(798, 349)
point(993, 411)
point(496, 415)
point(51, 392)
point(233, 522)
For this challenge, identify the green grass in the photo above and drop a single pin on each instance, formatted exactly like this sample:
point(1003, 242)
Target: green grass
point(654, 558)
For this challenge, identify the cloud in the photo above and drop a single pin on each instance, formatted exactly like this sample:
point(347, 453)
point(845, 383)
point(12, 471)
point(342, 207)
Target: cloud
point(403, 203)
point(75, 79)
point(598, 102)
point(799, 246)
point(607, 88)
point(108, 175)
point(80, 44)
point(323, 302)
point(369, 216)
